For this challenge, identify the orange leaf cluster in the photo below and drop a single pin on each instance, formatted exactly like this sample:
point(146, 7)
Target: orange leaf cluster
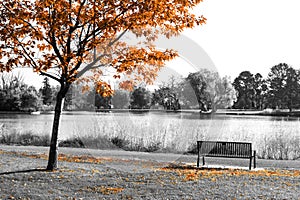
point(79, 159)
point(193, 174)
point(61, 157)
point(104, 89)
point(105, 190)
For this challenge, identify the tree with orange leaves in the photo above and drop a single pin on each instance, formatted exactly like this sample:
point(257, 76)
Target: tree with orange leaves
point(56, 37)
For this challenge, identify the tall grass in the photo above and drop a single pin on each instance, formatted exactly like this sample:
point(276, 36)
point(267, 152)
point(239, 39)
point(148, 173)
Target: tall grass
point(275, 140)
point(283, 144)
point(18, 137)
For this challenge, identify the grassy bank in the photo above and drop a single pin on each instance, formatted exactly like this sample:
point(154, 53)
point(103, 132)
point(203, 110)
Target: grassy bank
point(99, 142)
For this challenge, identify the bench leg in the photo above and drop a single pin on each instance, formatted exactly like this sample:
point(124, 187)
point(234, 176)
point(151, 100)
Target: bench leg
point(198, 151)
point(203, 160)
point(254, 159)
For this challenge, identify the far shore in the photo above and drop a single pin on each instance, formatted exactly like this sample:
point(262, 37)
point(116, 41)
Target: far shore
point(266, 112)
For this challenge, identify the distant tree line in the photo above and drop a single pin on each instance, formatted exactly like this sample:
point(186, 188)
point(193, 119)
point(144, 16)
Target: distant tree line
point(207, 91)
point(279, 90)
point(204, 90)
point(15, 95)
point(173, 95)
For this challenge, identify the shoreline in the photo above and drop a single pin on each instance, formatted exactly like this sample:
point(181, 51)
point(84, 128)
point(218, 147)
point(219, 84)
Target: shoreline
point(273, 113)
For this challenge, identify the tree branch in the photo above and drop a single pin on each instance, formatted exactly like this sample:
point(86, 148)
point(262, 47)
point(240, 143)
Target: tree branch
point(50, 76)
point(90, 66)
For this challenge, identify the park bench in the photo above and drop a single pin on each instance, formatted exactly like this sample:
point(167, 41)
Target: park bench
point(226, 150)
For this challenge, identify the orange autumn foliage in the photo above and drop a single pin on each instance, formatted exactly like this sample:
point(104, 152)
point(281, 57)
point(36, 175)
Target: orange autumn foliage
point(105, 190)
point(62, 157)
point(193, 174)
point(56, 38)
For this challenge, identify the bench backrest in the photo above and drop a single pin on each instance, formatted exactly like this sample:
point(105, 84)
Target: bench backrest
point(226, 149)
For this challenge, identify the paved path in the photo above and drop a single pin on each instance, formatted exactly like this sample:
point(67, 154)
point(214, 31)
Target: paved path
point(160, 157)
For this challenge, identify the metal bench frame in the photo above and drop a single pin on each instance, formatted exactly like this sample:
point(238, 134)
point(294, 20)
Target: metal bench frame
point(226, 150)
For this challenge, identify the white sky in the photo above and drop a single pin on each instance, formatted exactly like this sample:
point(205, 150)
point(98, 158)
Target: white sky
point(249, 34)
point(243, 35)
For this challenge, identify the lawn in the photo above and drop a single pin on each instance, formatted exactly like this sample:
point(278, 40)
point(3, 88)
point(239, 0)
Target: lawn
point(22, 176)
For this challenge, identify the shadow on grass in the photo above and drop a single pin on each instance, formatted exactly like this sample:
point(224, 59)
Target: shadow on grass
point(175, 166)
point(24, 171)
point(180, 166)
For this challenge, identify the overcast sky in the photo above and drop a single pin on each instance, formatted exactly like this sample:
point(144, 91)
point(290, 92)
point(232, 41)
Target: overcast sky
point(242, 35)
point(249, 34)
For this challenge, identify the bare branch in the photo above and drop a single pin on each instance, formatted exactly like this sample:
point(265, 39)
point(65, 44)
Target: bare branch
point(33, 64)
point(50, 76)
point(97, 66)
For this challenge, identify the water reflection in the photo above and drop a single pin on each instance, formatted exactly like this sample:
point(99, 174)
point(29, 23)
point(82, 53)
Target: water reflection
point(215, 125)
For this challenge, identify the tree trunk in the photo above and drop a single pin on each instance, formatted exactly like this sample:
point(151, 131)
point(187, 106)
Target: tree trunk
point(53, 152)
point(291, 105)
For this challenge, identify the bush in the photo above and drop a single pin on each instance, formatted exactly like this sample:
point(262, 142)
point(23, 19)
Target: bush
point(73, 142)
point(141, 145)
point(35, 140)
point(119, 142)
point(153, 146)
point(98, 142)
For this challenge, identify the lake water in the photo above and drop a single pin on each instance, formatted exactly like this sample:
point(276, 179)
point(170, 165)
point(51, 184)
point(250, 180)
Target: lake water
point(171, 129)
